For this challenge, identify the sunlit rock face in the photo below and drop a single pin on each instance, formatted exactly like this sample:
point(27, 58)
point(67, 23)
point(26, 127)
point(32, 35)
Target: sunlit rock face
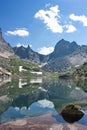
point(5, 48)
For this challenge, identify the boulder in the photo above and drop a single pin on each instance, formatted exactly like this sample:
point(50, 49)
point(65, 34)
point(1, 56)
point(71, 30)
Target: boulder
point(71, 113)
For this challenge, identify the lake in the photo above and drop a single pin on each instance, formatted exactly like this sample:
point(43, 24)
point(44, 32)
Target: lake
point(20, 98)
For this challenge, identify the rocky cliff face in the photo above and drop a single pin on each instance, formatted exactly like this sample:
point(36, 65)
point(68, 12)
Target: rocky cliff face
point(79, 57)
point(5, 48)
point(65, 56)
point(63, 48)
point(28, 53)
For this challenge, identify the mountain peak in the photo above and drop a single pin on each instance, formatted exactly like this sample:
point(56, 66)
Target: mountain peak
point(29, 48)
point(64, 48)
point(63, 41)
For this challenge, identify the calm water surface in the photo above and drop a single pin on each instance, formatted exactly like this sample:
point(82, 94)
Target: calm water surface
point(21, 98)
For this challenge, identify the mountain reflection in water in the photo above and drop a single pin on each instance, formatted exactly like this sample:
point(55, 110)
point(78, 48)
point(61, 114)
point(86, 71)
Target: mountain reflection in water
point(38, 108)
point(40, 98)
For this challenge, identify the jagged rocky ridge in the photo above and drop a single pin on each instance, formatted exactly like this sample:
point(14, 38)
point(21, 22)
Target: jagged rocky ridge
point(28, 53)
point(63, 48)
point(65, 55)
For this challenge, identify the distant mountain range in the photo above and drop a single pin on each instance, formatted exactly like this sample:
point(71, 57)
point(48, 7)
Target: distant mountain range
point(29, 54)
point(65, 55)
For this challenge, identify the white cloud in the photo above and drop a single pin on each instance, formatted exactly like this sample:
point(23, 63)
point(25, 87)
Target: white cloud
point(51, 18)
point(24, 45)
point(45, 103)
point(81, 18)
point(46, 50)
point(70, 28)
point(19, 32)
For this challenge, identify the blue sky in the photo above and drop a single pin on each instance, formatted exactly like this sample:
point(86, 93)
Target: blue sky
point(42, 23)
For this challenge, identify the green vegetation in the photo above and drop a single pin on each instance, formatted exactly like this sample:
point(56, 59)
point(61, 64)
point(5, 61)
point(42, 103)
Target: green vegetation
point(81, 72)
point(75, 73)
point(16, 62)
point(50, 75)
point(12, 65)
point(82, 84)
point(15, 91)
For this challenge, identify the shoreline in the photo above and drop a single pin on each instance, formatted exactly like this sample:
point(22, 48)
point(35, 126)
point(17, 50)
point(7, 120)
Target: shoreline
point(45, 122)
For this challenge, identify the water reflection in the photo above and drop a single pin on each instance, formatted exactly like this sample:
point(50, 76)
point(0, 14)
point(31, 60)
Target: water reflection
point(41, 107)
point(23, 83)
point(59, 92)
point(38, 108)
point(36, 80)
